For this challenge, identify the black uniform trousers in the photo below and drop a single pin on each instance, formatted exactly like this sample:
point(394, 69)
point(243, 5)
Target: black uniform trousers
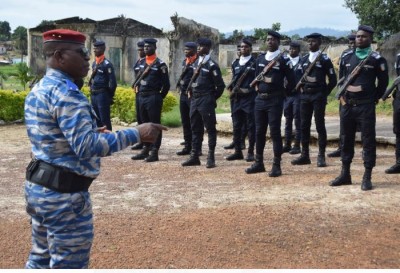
point(202, 114)
point(364, 116)
point(291, 111)
point(150, 106)
point(101, 102)
point(396, 123)
point(243, 119)
point(268, 112)
point(309, 104)
point(244, 129)
point(184, 107)
point(138, 118)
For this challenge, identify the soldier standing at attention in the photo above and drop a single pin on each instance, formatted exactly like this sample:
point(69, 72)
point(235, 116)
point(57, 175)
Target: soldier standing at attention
point(358, 105)
point(184, 101)
point(206, 88)
point(313, 99)
point(136, 69)
point(153, 88)
point(269, 102)
point(351, 46)
point(66, 146)
point(291, 106)
point(102, 86)
point(242, 101)
point(396, 122)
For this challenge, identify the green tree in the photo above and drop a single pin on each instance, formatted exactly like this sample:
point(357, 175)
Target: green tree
point(261, 33)
point(383, 16)
point(5, 31)
point(24, 74)
point(276, 26)
point(20, 37)
point(46, 23)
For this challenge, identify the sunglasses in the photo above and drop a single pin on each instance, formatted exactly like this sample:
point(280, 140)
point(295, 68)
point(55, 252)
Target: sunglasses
point(83, 51)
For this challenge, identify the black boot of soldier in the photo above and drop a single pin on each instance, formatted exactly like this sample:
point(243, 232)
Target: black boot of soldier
point(243, 144)
point(366, 184)
point(137, 146)
point(287, 147)
point(276, 168)
point(344, 178)
point(321, 159)
point(303, 159)
point(238, 155)
point(185, 151)
point(394, 169)
point(193, 160)
point(153, 156)
point(296, 149)
point(335, 153)
point(211, 159)
point(142, 155)
point(230, 146)
point(258, 165)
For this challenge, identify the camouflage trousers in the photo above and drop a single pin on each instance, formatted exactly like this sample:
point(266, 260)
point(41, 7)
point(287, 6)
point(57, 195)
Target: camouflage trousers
point(62, 228)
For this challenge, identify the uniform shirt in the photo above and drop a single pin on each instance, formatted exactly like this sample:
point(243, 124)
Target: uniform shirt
point(104, 77)
point(374, 68)
point(274, 80)
point(397, 65)
point(317, 77)
point(186, 77)
point(157, 79)
point(209, 78)
point(238, 70)
point(62, 128)
point(136, 67)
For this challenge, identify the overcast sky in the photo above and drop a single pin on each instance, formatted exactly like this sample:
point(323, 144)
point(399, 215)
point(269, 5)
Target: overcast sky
point(224, 15)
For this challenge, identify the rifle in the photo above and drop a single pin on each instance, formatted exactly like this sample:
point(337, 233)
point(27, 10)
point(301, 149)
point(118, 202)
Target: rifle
point(195, 75)
point(267, 69)
point(388, 91)
point(92, 76)
point(241, 79)
point(309, 68)
point(185, 70)
point(143, 74)
point(354, 73)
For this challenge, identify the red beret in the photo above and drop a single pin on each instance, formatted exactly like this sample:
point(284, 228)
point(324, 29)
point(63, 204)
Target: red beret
point(64, 35)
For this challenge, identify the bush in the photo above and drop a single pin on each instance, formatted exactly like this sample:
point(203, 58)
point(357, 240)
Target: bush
point(12, 105)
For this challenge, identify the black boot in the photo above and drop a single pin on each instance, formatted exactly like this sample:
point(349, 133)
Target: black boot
point(296, 149)
point(344, 178)
point(230, 146)
point(366, 184)
point(276, 168)
point(211, 159)
point(183, 143)
point(185, 151)
point(335, 153)
point(238, 155)
point(153, 156)
point(395, 168)
point(137, 146)
point(303, 159)
point(142, 155)
point(250, 157)
point(193, 160)
point(258, 165)
point(243, 144)
point(321, 159)
point(287, 147)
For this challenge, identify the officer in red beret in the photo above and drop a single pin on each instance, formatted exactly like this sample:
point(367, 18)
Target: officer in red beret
point(66, 146)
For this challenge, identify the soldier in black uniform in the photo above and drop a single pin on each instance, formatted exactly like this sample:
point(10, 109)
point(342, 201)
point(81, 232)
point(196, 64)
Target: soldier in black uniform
point(153, 88)
point(102, 86)
point(184, 102)
point(291, 106)
point(136, 69)
point(242, 101)
point(396, 122)
point(358, 105)
point(313, 99)
point(351, 46)
point(204, 92)
point(269, 102)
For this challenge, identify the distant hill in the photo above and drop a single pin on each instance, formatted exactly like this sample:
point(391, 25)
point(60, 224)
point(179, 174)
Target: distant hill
point(304, 31)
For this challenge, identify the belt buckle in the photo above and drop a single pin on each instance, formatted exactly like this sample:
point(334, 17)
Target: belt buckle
point(352, 102)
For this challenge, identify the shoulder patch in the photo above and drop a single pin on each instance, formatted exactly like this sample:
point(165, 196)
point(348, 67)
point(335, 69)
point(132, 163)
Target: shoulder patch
point(211, 63)
point(347, 53)
point(106, 61)
point(376, 55)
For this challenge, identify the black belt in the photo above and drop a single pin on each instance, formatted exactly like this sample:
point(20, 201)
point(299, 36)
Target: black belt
point(98, 91)
point(148, 93)
point(56, 178)
point(355, 102)
point(312, 90)
point(200, 94)
point(265, 96)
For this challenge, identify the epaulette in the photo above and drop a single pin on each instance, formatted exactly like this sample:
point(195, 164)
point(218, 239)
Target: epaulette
point(346, 53)
point(211, 62)
point(376, 55)
point(71, 85)
point(325, 56)
point(106, 61)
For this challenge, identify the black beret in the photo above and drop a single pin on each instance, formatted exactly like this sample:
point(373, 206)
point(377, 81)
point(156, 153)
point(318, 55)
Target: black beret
point(204, 42)
point(294, 44)
point(247, 42)
point(191, 45)
point(99, 43)
point(351, 37)
point(150, 41)
point(140, 44)
point(274, 34)
point(314, 35)
point(366, 28)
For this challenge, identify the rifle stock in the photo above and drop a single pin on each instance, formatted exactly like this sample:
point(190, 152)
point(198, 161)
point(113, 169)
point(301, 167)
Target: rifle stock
point(196, 74)
point(143, 74)
point(391, 88)
point(267, 69)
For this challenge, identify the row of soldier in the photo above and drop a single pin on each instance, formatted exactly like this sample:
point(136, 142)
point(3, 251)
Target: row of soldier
point(261, 90)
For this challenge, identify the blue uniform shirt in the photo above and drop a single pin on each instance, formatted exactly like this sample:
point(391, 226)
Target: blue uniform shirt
point(62, 128)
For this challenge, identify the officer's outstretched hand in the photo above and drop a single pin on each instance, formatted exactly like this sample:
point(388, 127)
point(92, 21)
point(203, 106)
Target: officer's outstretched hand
point(149, 131)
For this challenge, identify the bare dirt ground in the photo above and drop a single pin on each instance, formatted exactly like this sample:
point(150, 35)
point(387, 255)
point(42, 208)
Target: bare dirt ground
point(161, 215)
